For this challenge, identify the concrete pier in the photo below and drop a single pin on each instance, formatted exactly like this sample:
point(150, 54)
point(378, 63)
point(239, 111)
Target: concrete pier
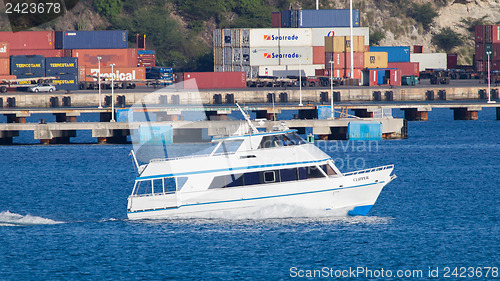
point(468, 113)
point(416, 114)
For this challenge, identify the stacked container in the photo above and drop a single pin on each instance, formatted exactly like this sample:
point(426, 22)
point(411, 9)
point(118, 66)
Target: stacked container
point(65, 70)
point(314, 18)
point(338, 57)
point(99, 39)
point(165, 74)
point(487, 39)
point(146, 58)
point(4, 60)
point(89, 74)
point(27, 66)
point(430, 60)
point(232, 50)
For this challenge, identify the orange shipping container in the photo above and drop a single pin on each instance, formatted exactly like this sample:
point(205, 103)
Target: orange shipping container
point(119, 73)
point(120, 57)
point(4, 49)
point(4, 66)
point(29, 40)
point(343, 60)
point(376, 60)
point(48, 53)
point(7, 77)
point(318, 55)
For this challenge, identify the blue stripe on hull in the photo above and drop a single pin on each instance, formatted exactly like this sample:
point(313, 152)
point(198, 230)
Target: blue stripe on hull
point(360, 210)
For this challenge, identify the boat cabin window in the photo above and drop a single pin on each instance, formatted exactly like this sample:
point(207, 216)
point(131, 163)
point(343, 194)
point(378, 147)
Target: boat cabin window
point(281, 140)
point(262, 177)
point(228, 146)
point(159, 186)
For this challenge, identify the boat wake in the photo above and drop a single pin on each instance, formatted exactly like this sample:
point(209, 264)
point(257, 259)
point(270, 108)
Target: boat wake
point(12, 219)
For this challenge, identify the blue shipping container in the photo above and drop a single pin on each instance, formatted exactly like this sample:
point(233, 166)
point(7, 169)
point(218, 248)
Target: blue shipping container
point(68, 82)
point(328, 18)
point(99, 39)
point(324, 112)
point(59, 66)
point(380, 77)
point(27, 66)
point(395, 54)
point(145, 52)
point(286, 20)
point(364, 130)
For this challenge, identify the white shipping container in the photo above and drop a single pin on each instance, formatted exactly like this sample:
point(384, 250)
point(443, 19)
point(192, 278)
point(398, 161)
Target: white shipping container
point(318, 34)
point(280, 37)
point(275, 70)
point(281, 56)
point(430, 60)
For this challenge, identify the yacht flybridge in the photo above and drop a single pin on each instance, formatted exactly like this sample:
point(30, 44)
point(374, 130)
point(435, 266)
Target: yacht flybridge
point(248, 172)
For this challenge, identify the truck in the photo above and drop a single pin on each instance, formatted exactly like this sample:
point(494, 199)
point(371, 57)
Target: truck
point(23, 83)
point(291, 81)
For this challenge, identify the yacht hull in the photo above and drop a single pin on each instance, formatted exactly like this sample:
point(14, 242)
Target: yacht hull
point(354, 194)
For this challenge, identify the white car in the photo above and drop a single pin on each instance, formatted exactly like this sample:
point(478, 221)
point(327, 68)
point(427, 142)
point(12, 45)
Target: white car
point(42, 88)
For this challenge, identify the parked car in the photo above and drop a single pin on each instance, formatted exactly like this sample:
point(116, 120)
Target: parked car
point(43, 88)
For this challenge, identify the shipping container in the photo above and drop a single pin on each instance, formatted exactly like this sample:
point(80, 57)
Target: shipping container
point(496, 34)
point(479, 31)
point(395, 77)
point(488, 34)
point(276, 20)
point(235, 38)
point(145, 52)
point(430, 61)
point(418, 49)
point(28, 40)
point(98, 39)
point(334, 44)
point(381, 77)
point(495, 66)
point(120, 57)
point(218, 38)
point(237, 56)
point(328, 18)
point(359, 44)
point(61, 66)
point(218, 68)
point(280, 37)
point(319, 72)
point(406, 68)
point(295, 18)
point(4, 66)
point(373, 74)
point(289, 70)
point(226, 36)
point(27, 66)
point(52, 53)
point(395, 53)
point(212, 80)
point(68, 82)
point(7, 77)
point(480, 51)
point(218, 56)
point(343, 60)
point(451, 61)
point(245, 38)
point(375, 60)
point(286, 19)
point(319, 34)
point(318, 55)
point(358, 73)
point(119, 73)
point(228, 55)
point(496, 51)
point(281, 56)
point(4, 49)
point(480, 66)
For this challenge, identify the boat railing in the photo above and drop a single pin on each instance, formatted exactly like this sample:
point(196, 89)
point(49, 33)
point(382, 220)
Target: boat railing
point(376, 169)
point(190, 156)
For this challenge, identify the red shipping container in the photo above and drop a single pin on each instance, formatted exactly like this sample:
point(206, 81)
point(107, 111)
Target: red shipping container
point(395, 77)
point(343, 60)
point(7, 77)
point(276, 20)
point(319, 72)
point(4, 66)
point(318, 54)
point(495, 66)
point(418, 49)
point(120, 57)
point(50, 53)
point(29, 40)
point(212, 80)
point(120, 73)
point(496, 34)
point(480, 33)
point(373, 78)
point(357, 73)
point(496, 52)
point(407, 68)
point(488, 34)
point(479, 51)
point(452, 61)
point(4, 49)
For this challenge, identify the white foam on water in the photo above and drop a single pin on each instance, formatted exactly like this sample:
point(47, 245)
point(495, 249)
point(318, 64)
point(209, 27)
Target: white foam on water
point(12, 219)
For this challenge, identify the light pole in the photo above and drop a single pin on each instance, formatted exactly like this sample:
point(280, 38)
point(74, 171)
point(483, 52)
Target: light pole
point(489, 79)
point(352, 43)
point(100, 99)
point(112, 93)
point(300, 81)
point(331, 89)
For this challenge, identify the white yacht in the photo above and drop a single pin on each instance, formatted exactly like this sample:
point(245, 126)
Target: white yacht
point(246, 173)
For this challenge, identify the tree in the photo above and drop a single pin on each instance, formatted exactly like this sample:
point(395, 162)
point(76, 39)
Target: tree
point(376, 36)
point(423, 14)
point(447, 39)
point(108, 8)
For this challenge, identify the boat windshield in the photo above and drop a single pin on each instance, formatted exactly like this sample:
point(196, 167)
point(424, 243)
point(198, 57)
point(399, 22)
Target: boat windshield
point(228, 146)
point(281, 140)
point(167, 185)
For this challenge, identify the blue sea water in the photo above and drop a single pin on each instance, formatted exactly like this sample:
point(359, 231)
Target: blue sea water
point(63, 216)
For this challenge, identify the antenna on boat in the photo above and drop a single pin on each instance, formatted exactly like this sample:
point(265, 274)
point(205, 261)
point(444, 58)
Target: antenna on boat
point(254, 130)
point(132, 153)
